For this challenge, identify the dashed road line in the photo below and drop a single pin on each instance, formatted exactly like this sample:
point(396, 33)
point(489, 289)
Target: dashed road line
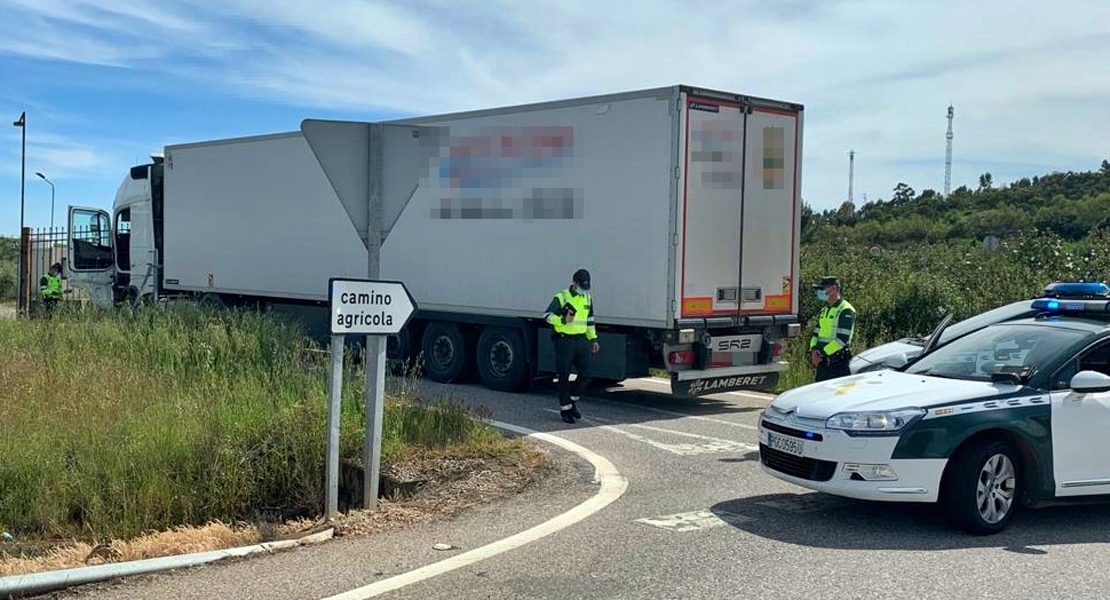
point(710, 446)
point(671, 413)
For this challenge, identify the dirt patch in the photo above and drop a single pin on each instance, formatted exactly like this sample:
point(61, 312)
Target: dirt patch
point(438, 487)
point(7, 311)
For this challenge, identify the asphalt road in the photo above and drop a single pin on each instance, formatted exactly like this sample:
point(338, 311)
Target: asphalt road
point(697, 520)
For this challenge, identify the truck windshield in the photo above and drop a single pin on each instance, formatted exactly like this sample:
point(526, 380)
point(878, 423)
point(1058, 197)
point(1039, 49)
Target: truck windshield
point(999, 348)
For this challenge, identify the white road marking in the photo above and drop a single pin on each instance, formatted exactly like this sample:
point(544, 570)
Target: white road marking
point(694, 435)
point(712, 446)
point(613, 485)
point(671, 413)
point(695, 521)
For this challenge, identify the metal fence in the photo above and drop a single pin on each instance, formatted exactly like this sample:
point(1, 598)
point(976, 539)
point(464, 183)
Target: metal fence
point(39, 249)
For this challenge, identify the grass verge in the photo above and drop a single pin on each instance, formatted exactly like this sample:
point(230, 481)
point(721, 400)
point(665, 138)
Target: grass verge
point(119, 425)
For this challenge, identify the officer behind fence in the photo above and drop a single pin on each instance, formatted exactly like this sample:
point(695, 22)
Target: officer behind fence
point(50, 287)
point(571, 315)
point(830, 344)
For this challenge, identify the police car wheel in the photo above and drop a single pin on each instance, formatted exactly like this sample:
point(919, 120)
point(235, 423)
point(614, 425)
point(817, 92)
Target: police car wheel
point(982, 491)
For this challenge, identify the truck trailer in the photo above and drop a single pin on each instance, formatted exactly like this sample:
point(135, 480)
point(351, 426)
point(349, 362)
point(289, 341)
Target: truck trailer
point(682, 202)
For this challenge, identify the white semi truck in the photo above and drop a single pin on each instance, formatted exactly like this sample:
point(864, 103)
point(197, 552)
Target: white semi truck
point(683, 203)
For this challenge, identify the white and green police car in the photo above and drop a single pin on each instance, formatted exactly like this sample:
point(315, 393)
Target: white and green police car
point(1015, 414)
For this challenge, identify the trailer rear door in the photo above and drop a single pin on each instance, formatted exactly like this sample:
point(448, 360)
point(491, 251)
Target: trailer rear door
point(738, 210)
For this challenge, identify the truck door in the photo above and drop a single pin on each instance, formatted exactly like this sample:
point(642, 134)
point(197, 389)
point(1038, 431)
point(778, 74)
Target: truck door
point(768, 249)
point(710, 274)
point(739, 210)
point(135, 251)
point(91, 255)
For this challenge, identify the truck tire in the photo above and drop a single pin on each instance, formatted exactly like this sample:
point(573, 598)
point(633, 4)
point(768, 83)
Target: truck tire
point(445, 352)
point(502, 362)
point(983, 487)
point(398, 351)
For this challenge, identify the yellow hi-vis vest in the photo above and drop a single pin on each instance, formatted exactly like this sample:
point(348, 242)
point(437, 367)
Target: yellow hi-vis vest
point(583, 322)
point(53, 287)
point(835, 329)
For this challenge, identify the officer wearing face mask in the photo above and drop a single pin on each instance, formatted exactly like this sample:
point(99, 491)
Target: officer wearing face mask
point(571, 315)
point(830, 345)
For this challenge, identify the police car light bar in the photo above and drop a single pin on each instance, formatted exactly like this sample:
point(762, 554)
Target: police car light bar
point(1072, 306)
point(1077, 289)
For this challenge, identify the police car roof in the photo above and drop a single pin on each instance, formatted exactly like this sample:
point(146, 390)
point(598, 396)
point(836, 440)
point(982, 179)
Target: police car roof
point(1090, 323)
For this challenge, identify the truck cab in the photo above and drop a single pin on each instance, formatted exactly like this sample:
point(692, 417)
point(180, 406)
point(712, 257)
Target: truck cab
point(114, 256)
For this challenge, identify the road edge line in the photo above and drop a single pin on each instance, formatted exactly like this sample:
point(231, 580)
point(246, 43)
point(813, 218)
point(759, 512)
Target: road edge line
point(613, 486)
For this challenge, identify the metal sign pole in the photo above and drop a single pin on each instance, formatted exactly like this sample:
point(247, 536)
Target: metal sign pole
point(335, 407)
point(375, 344)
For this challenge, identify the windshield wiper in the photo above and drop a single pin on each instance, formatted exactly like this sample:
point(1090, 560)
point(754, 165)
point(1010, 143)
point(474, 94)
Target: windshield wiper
point(930, 373)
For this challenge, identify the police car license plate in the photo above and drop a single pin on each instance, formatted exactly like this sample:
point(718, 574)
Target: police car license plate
point(785, 444)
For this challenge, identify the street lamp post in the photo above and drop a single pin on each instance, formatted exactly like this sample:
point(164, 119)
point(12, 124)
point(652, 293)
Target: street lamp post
point(43, 177)
point(22, 125)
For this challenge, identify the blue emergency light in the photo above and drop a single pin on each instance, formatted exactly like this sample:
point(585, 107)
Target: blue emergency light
point(1053, 305)
point(1077, 289)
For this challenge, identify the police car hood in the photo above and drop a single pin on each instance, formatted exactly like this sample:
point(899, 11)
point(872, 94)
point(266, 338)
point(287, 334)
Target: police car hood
point(881, 390)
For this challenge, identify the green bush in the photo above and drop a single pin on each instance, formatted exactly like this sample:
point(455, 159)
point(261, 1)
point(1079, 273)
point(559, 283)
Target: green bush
point(8, 276)
point(905, 291)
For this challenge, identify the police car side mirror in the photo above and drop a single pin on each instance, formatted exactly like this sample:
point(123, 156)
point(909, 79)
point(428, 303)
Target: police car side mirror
point(898, 360)
point(1090, 382)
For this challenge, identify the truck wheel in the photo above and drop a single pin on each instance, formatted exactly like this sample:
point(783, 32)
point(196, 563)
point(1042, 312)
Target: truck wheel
point(445, 352)
point(398, 351)
point(502, 363)
point(983, 487)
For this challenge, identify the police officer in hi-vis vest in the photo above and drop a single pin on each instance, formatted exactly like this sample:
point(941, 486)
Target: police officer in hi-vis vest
point(50, 287)
point(571, 315)
point(830, 345)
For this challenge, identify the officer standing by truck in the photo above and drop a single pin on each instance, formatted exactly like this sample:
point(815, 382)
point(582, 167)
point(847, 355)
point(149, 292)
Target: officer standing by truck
point(830, 345)
point(571, 315)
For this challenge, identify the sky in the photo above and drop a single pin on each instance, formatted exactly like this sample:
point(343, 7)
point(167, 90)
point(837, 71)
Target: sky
point(105, 83)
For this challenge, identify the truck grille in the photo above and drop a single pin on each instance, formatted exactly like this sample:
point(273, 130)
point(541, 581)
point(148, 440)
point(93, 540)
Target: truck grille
point(796, 466)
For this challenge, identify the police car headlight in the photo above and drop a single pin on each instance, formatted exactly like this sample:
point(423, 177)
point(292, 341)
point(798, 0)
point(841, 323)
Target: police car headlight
point(878, 422)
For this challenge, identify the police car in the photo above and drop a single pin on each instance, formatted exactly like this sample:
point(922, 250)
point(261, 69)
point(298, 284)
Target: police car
point(900, 352)
point(1014, 414)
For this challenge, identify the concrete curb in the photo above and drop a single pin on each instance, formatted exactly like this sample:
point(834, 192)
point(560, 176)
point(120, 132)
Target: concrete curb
point(38, 583)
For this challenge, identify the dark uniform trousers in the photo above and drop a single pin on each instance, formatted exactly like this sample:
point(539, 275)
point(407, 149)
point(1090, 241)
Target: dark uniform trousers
point(572, 350)
point(834, 366)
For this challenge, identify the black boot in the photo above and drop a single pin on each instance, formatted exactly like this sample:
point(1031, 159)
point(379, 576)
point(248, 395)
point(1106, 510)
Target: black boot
point(574, 410)
point(567, 412)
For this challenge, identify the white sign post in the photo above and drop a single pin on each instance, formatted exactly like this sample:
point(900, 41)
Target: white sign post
point(375, 309)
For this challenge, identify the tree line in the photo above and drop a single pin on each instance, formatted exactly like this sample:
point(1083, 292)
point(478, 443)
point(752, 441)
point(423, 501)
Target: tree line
point(1070, 205)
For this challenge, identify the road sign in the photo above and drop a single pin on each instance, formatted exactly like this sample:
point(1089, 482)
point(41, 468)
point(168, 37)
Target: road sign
point(368, 307)
point(375, 309)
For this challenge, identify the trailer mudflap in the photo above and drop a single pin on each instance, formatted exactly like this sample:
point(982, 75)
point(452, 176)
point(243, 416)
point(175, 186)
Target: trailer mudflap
point(761, 378)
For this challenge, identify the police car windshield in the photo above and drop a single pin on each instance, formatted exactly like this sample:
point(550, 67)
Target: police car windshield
point(1006, 312)
point(1007, 347)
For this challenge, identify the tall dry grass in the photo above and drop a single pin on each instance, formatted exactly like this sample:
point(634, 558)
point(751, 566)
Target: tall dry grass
point(113, 424)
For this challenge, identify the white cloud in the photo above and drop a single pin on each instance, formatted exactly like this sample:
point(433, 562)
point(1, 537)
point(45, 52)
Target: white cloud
point(876, 76)
point(59, 157)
